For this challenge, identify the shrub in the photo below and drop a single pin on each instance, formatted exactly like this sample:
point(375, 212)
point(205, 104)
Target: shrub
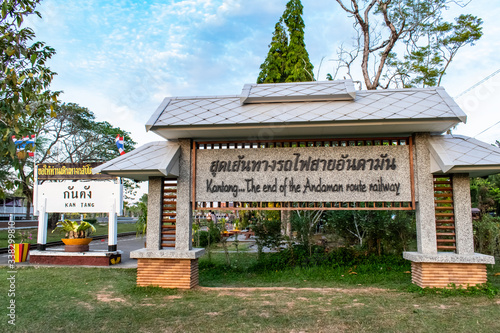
point(487, 235)
point(203, 237)
point(267, 233)
point(298, 256)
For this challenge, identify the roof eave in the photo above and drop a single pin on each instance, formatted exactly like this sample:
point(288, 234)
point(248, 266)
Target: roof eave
point(140, 175)
point(452, 104)
point(154, 117)
point(429, 125)
point(475, 170)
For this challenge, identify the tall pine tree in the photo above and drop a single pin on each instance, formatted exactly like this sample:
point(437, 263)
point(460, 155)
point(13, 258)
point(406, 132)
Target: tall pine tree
point(287, 59)
point(273, 68)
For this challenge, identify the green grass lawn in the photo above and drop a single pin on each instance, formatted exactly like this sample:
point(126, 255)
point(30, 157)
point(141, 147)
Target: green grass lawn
point(69, 299)
point(52, 237)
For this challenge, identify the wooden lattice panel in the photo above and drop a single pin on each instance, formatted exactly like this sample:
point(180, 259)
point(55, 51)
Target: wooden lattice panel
point(167, 273)
point(445, 216)
point(440, 275)
point(169, 213)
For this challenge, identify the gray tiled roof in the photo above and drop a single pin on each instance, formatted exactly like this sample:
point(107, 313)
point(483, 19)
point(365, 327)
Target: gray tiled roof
point(158, 158)
point(407, 104)
point(455, 153)
point(300, 91)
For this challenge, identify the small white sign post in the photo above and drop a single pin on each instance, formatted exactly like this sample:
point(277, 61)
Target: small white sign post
point(80, 197)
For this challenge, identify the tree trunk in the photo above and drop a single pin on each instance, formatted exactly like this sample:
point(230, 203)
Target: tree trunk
point(286, 226)
point(53, 219)
point(29, 199)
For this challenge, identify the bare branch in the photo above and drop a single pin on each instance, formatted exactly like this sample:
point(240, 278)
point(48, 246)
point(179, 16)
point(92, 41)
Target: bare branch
point(344, 7)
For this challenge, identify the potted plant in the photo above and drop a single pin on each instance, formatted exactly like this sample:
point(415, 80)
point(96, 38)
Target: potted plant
point(21, 250)
point(77, 235)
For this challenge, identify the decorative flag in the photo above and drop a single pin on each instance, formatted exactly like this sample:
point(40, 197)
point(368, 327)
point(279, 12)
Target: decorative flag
point(21, 143)
point(32, 143)
point(119, 144)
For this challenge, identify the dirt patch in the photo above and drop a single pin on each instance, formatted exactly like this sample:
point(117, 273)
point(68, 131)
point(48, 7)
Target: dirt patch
point(107, 297)
point(212, 314)
point(264, 315)
point(172, 297)
point(233, 294)
point(354, 305)
point(226, 291)
point(86, 305)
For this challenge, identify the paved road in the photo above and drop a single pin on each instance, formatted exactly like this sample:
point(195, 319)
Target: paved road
point(125, 244)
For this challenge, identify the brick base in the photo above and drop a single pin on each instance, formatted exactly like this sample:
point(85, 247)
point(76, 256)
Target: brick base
point(87, 260)
point(167, 273)
point(440, 275)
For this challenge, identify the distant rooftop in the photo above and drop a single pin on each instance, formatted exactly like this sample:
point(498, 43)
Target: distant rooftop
point(325, 108)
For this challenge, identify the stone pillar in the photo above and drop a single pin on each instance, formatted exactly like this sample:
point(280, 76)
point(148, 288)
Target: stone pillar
point(184, 213)
point(424, 196)
point(153, 231)
point(440, 269)
point(170, 268)
point(463, 214)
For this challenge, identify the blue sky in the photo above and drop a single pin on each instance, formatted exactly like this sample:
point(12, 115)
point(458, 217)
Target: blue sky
point(121, 58)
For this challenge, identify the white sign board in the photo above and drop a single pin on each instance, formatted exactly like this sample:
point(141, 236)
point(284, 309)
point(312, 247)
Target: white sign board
point(81, 197)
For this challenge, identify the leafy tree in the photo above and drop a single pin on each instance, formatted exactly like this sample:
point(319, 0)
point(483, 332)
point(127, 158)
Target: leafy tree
point(75, 136)
point(287, 59)
point(25, 99)
point(267, 228)
point(377, 231)
point(305, 223)
point(348, 225)
point(487, 235)
point(406, 42)
point(485, 193)
point(141, 207)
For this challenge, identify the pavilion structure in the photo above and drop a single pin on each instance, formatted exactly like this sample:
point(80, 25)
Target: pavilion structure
point(310, 146)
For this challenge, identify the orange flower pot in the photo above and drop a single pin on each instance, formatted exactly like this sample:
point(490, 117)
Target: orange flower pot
point(76, 244)
point(76, 241)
